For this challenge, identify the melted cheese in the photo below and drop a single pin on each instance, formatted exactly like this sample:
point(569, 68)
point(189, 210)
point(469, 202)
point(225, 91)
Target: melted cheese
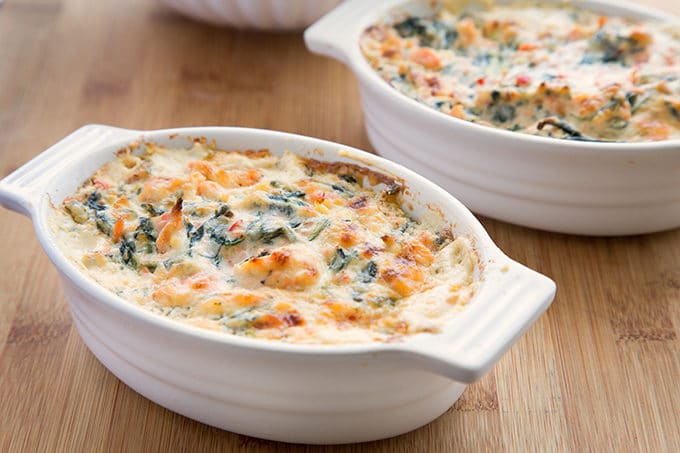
point(551, 71)
point(271, 247)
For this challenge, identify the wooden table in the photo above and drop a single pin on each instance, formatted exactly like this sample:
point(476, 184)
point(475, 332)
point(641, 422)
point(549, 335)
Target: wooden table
point(600, 371)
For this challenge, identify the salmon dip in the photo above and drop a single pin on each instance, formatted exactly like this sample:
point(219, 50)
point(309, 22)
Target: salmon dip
point(554, 71)
point(267, 246)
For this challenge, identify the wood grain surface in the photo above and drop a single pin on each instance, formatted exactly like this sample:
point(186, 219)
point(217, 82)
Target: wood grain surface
point(599, 372)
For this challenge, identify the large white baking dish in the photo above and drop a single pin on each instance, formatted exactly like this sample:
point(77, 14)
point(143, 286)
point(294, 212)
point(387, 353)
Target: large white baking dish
point(546, 183)
point(273, 15)
point(287, 392)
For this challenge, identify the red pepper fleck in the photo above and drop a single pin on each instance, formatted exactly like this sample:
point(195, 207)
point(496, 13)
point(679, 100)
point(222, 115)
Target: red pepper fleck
point(432, 82)
point(480, 81)
point(293, 319)
point(523, 80)
point(235, 225)
point(318, 196)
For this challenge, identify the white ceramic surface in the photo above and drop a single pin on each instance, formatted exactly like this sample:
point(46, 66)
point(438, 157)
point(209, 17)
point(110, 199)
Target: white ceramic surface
point(273, 15)
point(273, 390)
point(557, 185)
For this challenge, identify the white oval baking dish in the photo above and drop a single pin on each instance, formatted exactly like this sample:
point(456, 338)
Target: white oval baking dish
point(268, 389)
point(273, 15)
point(557, 185)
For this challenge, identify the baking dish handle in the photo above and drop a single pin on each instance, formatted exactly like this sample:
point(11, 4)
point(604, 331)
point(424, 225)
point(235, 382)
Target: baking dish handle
point(499, 316)
point(22, 189)
point(332, 35)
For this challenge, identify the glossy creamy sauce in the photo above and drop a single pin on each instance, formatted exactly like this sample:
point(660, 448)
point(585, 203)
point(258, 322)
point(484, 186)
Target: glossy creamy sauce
point(550, 71)
point(275, 247)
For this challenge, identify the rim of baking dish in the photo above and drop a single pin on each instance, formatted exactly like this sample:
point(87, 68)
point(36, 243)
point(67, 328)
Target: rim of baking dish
point(358, 15)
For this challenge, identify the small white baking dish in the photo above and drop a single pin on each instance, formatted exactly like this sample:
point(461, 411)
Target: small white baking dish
point(272, 15)
point(268, 389)
point(557, 185)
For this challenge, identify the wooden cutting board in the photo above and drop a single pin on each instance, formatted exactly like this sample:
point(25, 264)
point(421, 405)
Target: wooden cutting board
point(600, 371)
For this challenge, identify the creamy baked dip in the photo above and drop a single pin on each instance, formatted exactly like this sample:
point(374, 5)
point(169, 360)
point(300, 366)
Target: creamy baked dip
point(275, 247)
point(551, 71)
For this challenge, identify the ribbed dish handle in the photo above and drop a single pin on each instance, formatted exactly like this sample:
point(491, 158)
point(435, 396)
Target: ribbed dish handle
point(333, 35)
point(500, 314)
point(21, 190)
